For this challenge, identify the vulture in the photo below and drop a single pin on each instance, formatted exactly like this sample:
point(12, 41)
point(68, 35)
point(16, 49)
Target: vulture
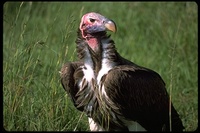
point(113, 92)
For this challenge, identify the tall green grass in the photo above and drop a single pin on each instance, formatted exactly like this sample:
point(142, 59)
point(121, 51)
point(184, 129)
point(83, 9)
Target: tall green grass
point(39, 37)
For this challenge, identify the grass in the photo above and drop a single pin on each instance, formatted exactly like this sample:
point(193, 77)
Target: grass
point(39, 37)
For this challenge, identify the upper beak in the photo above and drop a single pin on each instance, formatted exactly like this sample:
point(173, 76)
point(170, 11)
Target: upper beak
point(110, 25)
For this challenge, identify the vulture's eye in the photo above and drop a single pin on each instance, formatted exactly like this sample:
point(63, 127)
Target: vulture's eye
point(92, 20)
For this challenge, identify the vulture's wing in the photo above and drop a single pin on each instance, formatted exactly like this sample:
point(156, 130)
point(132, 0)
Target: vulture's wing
point(70, 76)
point(141, 96)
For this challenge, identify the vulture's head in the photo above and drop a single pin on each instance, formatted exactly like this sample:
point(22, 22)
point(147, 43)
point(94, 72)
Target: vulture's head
point(92, 23)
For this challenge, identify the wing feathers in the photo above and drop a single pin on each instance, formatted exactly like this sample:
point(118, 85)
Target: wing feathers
point(141, 95)
point(69, 79)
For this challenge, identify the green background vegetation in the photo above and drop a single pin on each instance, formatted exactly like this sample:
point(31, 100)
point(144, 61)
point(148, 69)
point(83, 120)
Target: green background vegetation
point(39, 37)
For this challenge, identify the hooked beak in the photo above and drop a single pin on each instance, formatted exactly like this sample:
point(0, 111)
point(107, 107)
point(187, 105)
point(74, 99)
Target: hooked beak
point(110, 25)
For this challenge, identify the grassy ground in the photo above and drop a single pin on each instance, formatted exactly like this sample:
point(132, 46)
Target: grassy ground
point(39, 37)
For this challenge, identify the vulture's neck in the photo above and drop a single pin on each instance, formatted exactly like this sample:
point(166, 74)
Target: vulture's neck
point(97, 51)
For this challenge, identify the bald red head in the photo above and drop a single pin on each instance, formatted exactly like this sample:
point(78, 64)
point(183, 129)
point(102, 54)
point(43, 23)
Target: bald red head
point(94, 22)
